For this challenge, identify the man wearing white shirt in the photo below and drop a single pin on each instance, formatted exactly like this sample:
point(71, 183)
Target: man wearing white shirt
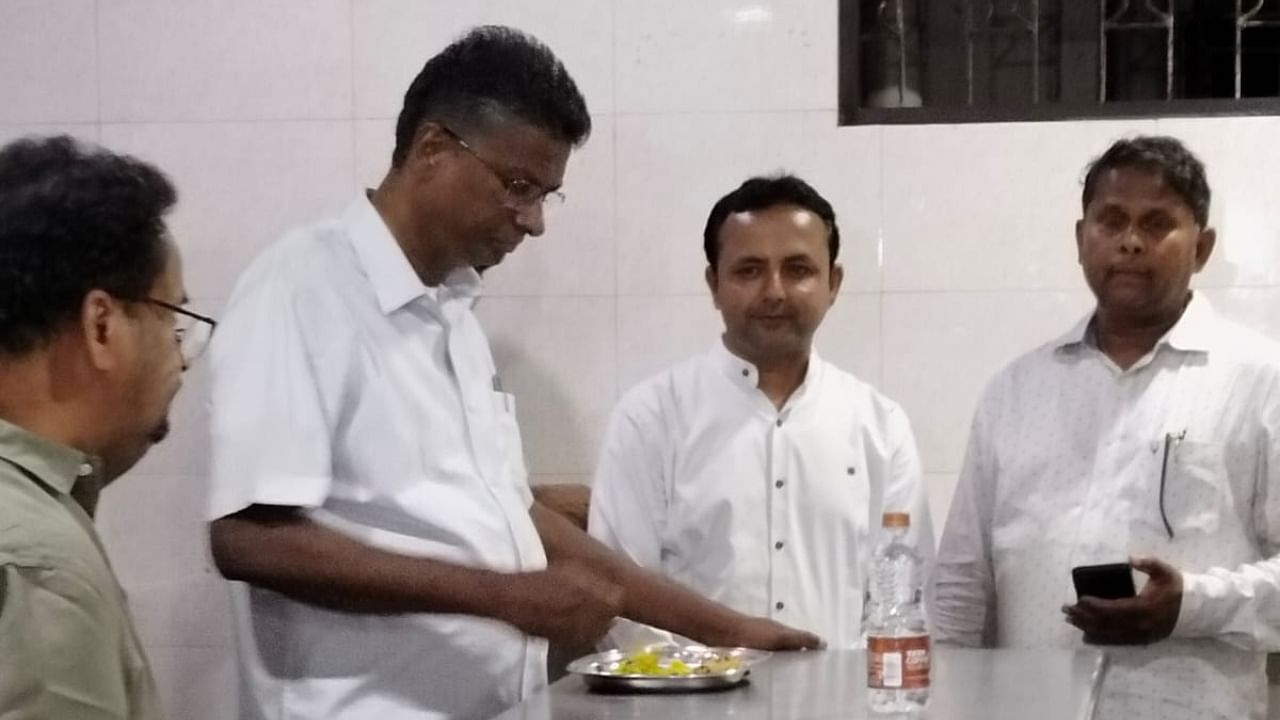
point(368, 484)
point(758, 472)
point(1150, 431)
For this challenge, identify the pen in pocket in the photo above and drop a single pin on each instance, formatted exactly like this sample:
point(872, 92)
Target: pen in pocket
point(1171, 441)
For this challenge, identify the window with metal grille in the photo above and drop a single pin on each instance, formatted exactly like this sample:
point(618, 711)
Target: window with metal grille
point(917, 61)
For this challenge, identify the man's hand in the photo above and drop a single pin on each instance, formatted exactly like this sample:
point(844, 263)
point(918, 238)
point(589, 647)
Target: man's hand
point(765, 634)
point(1140, 620)
point(571, 501)
point(568, 603)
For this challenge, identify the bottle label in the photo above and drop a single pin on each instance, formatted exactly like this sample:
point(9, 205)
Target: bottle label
point(898, 662)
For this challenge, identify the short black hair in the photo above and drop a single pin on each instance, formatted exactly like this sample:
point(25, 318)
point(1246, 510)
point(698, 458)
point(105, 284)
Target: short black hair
point(1177, 165)
point(73, 218)
point(760, 193)
point(490, 74)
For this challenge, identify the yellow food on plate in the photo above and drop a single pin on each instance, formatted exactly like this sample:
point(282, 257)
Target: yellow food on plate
point(721, 664)
point(650, 664)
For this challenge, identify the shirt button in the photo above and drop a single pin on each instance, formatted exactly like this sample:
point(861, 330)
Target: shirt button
point(777, 545)
point(852, 471)
point(779, 422)
point(779, 483)
point(779, 605)
point(85, 470)
point(746, 372)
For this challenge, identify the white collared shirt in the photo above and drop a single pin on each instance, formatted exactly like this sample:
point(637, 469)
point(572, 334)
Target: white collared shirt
point(343, 385)
point(771, 512)
point(1063, 469)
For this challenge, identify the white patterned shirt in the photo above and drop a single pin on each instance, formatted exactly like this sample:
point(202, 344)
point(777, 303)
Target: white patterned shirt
point(1063, 469)
point(771, 512)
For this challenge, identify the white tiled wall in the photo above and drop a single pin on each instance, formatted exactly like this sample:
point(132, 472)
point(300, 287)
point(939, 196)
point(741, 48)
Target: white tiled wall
point(957, 239)
point(50, 61)
point(193, 61)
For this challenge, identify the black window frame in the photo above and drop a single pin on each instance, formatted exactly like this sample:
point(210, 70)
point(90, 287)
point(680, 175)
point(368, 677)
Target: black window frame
point(851, 111)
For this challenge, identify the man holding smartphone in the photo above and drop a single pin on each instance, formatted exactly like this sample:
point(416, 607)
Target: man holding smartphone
point(1150, 434)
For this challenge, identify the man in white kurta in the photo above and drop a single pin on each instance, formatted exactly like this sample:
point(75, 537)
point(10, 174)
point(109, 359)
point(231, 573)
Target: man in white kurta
point(769, 511)
point(769, 507)
point(1067, 466)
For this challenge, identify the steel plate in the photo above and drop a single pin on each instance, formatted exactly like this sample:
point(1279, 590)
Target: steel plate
point(601, 671)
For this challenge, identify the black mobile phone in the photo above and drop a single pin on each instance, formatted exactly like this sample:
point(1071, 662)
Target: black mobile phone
point(1111, 581)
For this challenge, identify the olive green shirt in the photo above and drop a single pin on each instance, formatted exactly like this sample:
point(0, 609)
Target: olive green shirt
point(68, 649)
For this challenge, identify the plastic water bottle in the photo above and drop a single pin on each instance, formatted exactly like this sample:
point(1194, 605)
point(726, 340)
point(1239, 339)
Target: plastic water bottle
point(898, 651)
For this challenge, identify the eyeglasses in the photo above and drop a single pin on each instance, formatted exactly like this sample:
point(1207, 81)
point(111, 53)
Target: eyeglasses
point(519, 194)
point(192, 330)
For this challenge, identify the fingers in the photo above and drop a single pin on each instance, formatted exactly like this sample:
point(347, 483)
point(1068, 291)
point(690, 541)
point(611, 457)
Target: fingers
point(1160, 572)
point(800, 640)
point(597, 619)
point(1079, 616)
point(1151, 567)
point(1092, 610)
point(1095, 616)
point(1102, 606)
point(1147, 618)
point(776, 636)
point(1111, 622)
point(595, 632)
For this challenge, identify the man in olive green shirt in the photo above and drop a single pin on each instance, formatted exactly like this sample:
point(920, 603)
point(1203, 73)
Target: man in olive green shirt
point(93, 343)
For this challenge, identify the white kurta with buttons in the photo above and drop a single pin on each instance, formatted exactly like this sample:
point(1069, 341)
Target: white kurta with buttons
point(770, 511)
point(343, 385)
point(1063, 469)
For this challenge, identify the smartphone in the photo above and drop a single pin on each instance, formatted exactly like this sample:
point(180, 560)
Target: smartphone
point(1109, 582)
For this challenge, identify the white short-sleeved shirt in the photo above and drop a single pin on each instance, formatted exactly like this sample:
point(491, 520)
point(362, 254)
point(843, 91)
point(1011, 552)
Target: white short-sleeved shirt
point(772, 512)
point(343, 385)
point(1063, 469)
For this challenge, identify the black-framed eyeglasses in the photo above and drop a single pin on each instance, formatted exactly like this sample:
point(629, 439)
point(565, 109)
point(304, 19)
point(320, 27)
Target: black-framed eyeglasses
point(192, 330)
point(518, 193)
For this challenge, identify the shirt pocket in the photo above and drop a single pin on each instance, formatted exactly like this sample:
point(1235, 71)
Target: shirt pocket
point(1196, 491)
point(509, 443)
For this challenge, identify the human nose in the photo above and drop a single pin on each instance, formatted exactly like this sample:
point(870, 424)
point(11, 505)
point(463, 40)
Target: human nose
point(774, 289)
point(1131, 241)
point(531, 219)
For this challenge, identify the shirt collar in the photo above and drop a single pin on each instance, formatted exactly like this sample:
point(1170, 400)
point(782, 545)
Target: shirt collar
point(383, 260)
point(745, 374)
point(55, 465)
point(1080, 334)
point(1195, 330)
point(739, 371)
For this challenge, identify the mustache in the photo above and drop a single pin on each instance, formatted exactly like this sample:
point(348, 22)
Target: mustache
point(780, 313)
point(1128, 270)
